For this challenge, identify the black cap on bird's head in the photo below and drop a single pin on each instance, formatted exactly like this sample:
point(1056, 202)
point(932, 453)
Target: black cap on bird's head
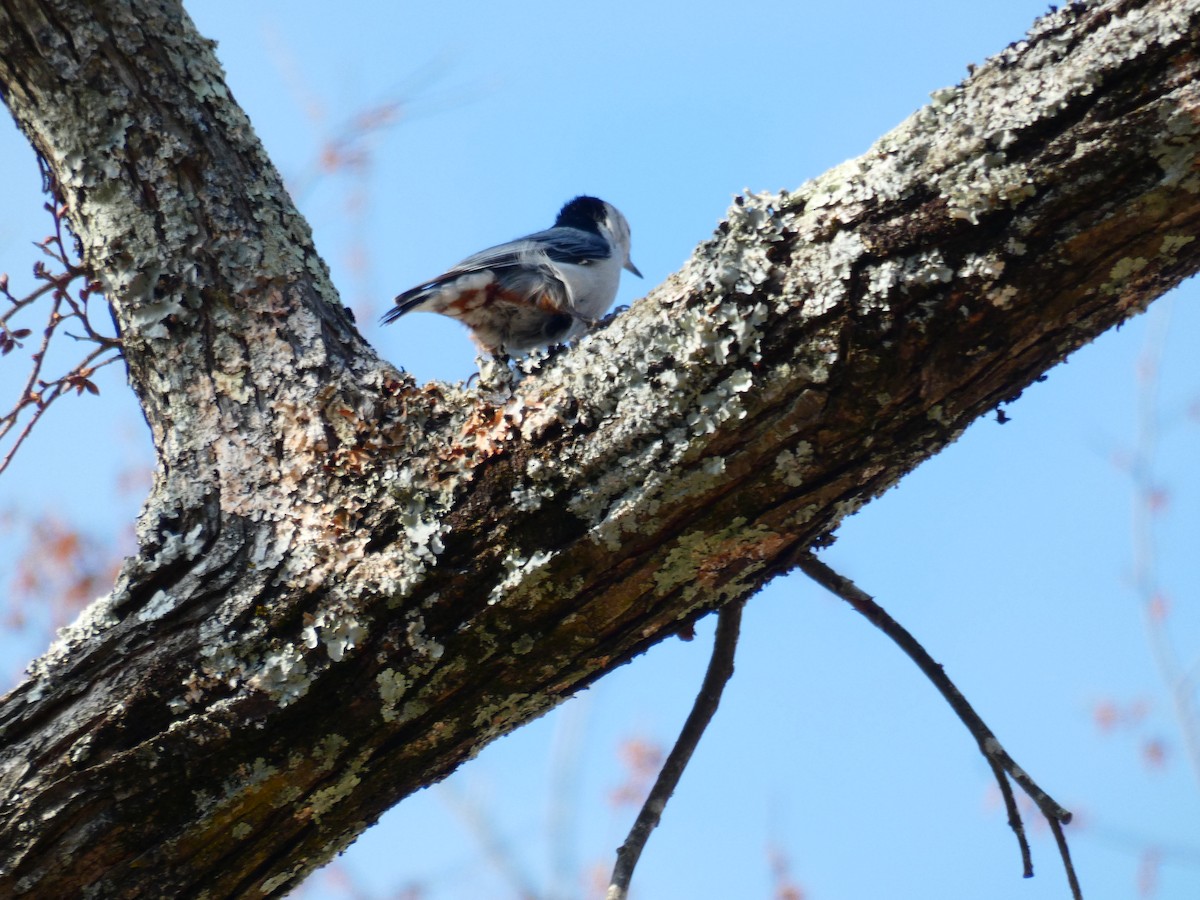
point(597, 217)
point(584, 213)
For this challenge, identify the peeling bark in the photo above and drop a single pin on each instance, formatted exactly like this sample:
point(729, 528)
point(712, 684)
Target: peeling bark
point(348, 583)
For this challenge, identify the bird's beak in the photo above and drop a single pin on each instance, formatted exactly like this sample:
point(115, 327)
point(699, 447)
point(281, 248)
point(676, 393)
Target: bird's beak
point(630, 267)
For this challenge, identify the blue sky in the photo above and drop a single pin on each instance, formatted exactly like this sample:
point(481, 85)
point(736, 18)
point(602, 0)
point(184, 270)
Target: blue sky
point(1009, 555)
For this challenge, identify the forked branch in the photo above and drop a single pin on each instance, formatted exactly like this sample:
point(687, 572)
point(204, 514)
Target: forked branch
point(1003, 766)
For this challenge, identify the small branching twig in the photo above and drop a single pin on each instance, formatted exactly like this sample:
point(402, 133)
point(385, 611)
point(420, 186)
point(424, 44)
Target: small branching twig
point(720, 668)
point(1150, 500)
point(37, 393)
point(1003, 766)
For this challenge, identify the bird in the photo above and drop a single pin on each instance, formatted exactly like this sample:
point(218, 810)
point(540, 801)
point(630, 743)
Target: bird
point(536, 291)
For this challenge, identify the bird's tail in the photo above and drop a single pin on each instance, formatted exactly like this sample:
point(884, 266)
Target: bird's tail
point(407, 302)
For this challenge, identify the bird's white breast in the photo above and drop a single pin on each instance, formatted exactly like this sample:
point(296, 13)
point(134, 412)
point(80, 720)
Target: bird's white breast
point(592, 287)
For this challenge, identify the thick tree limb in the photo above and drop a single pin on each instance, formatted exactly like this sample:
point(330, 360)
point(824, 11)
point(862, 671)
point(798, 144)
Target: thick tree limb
point(347, 584)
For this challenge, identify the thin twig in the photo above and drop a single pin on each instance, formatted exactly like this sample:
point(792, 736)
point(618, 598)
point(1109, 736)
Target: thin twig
point(490, 839)
point(38, 394)
point(19, 303)
point(1014, 817)
point(1148, 499)
point(720, 668)
point(1003, 766)
point(1065, 852)
point(50, 392)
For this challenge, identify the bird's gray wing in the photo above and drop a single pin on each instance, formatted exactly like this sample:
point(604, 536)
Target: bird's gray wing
point(521, 269)
point(560, 245)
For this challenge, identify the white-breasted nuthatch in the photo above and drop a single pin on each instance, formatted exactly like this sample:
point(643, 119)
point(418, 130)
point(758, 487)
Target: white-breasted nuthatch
point(538, 290)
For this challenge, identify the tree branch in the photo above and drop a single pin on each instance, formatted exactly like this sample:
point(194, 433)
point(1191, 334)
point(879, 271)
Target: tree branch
point(347, 583)
point(720, 670)
point(1003, 766)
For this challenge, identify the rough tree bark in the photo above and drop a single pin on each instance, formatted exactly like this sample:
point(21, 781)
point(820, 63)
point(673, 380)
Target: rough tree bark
point(348, 583)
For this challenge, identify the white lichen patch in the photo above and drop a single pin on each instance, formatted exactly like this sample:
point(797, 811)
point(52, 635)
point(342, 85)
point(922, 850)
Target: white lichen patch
point(422, 527)
point(1175, 152)
point(832, 267)
point(816, 274)
point(337, 627)
point(720, 405)
point(159, 605)
point(988, 266)
point(927, 268)
point(424, 534)
point(174, 547)
point(740, 262)
point(519, 570)
point(149, 314)
point(219, 663)
point(529, 497)
point(392, 688)
point(882, 281)
point(81, 750)
point(624, 512)
point(791, 466)
point(420, 512)
point(325, 800)
point(283, 674)
point(842, 185)
point(985, 183)
point(414, 631)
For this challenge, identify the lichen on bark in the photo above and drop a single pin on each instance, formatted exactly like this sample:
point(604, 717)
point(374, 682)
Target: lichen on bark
point(347, 583)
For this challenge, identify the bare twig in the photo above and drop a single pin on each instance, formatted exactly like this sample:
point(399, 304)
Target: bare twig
point(490, 839)
point(1065, 852)
point(1149, 500)
point(78, 379)
point(1003, 766)
point(720, 668)
point(37, 394)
